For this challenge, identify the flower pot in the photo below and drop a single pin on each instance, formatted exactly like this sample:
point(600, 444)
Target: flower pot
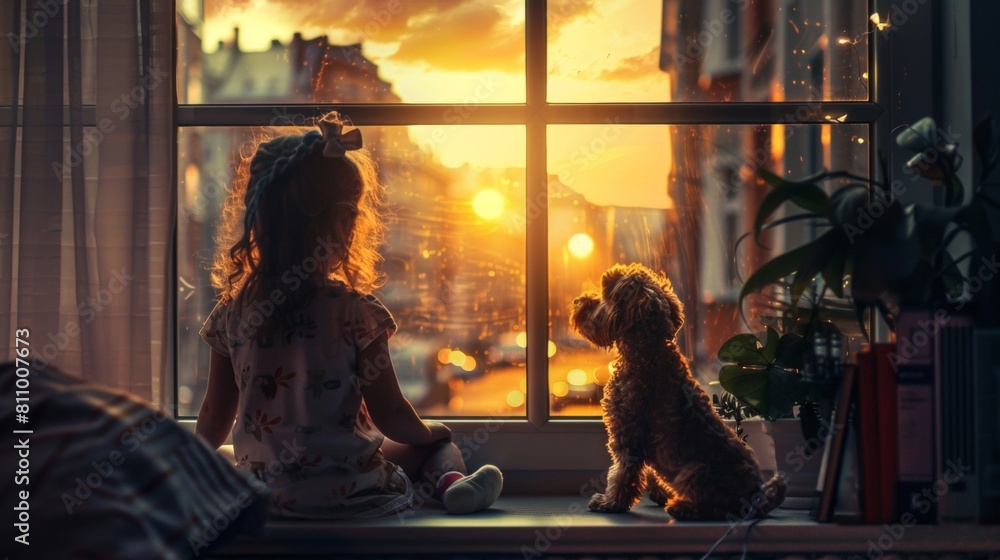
point(780, 446)
point(796, 458)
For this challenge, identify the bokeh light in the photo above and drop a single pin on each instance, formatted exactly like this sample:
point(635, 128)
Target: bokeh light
point(488, 204)
point(581, 245)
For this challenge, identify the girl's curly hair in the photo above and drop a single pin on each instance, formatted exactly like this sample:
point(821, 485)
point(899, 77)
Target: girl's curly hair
point(295, 217)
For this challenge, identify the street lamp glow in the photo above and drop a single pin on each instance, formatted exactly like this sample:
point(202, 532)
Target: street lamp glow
point(488, 204)
point(581, 245)
point(577, 377)
point(522, 339)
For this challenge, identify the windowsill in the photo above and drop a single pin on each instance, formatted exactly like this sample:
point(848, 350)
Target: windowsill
point(521, 525)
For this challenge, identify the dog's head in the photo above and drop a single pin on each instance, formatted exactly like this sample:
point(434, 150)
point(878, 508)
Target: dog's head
point(634, 302)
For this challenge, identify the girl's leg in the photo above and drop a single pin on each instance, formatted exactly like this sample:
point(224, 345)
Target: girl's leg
point(438, 471)
point(425, 463)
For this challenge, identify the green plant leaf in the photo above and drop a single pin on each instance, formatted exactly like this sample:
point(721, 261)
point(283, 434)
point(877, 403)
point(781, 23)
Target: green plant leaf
point(807, 196)
point(785, 389)
point(791, 351)
point(823, 250)
point(844, 206)
point(743, 349)
point(774, 224)
point(776, 269)
point(862, 313)
point(771, 346)
point(749, 385)
point(833, 271)
point(920, 136)
point(952, 279)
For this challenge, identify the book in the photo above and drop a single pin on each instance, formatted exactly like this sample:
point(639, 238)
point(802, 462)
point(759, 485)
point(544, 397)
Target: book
point(832, 462)
point(888, 431)
point(877, 432)
point(913, 362)
point(868, 438)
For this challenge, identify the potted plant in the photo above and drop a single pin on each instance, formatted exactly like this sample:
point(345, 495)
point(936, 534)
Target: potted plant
point(874, 251)
point(769, 379)
point(874, 254)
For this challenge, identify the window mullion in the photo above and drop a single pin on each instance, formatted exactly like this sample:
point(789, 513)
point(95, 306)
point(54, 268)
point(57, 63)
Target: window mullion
point(536, 222)
point(361, 114)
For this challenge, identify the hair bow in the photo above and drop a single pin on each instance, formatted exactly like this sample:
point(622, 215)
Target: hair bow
point(336, 143)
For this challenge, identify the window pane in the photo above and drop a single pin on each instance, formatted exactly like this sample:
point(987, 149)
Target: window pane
point(454, 257)
point(707, 50)
point(388, 51)
point(676, 199)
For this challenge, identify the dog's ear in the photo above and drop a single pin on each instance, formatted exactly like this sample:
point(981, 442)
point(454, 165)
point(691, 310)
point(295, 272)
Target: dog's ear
point(610, 279)
point(676, 310)
point(631, 299)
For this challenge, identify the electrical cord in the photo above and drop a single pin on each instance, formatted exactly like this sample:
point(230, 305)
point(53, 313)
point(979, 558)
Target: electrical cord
point(748, 521)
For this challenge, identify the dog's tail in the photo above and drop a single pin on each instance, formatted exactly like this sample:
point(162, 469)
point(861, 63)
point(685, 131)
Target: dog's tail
point(772, 493)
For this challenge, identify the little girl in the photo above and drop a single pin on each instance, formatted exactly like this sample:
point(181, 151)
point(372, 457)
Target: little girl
point(300, 356)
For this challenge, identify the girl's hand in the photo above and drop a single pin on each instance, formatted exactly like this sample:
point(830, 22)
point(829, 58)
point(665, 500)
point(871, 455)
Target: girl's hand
point(439, 432)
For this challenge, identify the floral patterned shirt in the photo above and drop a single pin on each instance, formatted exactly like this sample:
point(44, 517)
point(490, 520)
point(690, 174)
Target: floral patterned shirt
point(302, 426)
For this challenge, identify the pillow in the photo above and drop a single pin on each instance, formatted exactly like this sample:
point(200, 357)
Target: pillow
point(105, 474)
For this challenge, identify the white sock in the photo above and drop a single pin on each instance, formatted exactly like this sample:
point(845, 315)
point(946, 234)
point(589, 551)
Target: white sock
point(474, 492)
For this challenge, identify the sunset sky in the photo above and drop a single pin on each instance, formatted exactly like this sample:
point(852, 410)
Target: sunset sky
point(472, 52)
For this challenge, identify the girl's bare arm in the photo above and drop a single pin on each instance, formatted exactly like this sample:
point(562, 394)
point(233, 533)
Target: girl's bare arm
point(390, 410)
point(218, 411)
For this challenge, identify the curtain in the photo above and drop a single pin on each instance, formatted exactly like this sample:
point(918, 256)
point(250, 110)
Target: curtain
point(87, 190)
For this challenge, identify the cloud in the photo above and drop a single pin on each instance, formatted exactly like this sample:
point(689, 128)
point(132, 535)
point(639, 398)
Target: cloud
point(216, 8)
point(634, 67)
point(562, 12)
point(470, 37)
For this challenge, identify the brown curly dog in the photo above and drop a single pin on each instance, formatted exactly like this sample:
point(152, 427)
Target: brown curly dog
point(662, 430)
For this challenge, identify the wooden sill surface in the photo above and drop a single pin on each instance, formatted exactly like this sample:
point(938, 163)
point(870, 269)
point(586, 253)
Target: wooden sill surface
point(521, 525)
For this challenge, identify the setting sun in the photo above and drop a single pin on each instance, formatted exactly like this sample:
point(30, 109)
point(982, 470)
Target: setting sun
point(581, 245)
point(488, 204)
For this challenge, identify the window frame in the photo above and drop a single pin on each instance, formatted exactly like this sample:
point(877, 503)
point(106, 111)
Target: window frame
point(529, 447)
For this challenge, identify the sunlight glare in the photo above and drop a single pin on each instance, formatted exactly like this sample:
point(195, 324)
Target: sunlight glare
point(577, 377)
point(581, 245)
point(515, 398)
point(488, 204)
point(560, 389)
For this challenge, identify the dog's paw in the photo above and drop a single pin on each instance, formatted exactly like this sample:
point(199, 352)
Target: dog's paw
point(601, 503)
point(682, 510)
point(660, 496)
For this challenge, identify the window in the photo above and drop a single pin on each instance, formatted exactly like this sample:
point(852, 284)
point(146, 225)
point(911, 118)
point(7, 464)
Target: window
point(527, 147)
